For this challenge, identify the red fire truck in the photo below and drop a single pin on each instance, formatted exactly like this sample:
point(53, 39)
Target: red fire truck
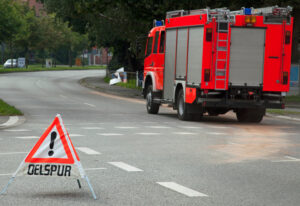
point(216, 60)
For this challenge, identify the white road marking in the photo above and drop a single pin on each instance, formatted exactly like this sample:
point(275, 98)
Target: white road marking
point(76, 135)
point(190, 127)
point(148, 133)
point(184, 133)
point(6, 174)
point(109, 134)
point(215, 133)
point(181, 189)
point(87, 150)
point(159, 127)
point(91, 128)
point(11, 121)
point(63, 96)
point(12, 153)
point(289, 159)
point(91, 105)
point(125, 167)
point(218, 127)
point(120, 127)
point(91, 169)
point(28, 137)
point(17, 130)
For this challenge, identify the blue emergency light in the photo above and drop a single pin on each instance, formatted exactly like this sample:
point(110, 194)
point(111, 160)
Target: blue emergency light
point(247, 11)
point(158, 23)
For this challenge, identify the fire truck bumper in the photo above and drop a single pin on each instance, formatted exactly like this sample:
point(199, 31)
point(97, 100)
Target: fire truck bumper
point(232, 104)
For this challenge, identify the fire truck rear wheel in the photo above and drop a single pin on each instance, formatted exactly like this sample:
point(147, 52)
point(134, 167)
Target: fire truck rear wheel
point(250, 115)
point(182, 111)
point(152, 108)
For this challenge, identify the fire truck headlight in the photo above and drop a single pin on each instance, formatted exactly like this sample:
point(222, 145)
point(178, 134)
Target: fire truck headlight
point(247, 19)
point(253, 19)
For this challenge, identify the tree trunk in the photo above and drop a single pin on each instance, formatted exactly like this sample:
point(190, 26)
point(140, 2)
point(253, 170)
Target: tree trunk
point(70, 57)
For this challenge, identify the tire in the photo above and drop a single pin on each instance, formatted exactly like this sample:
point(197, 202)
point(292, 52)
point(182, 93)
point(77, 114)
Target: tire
point(152, 108)
point(182, 111)
point(250, 115)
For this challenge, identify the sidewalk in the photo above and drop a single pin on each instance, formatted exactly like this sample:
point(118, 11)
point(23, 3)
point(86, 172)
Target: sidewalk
point(97, 83)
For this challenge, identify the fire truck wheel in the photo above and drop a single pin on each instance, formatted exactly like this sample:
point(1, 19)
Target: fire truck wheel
point(250, 115)
point(182, 111)
point(152, 108)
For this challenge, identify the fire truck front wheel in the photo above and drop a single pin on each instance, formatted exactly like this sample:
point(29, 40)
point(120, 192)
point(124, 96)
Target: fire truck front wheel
point(250, 115)
point(152, 108)
point(182, 111)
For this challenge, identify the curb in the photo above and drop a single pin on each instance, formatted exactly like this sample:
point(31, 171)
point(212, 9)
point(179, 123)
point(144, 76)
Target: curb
point(13, 121)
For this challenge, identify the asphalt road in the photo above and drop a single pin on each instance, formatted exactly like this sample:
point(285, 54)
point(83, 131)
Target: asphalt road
point(133, 158)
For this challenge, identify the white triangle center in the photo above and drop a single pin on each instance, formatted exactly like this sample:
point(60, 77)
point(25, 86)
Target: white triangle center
point(51, 147)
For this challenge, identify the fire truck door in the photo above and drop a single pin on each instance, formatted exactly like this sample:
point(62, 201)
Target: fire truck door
point(170, 57)
point(247, 56)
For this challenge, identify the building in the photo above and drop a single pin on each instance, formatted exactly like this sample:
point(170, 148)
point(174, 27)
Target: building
point(99, 56)
point(38, 7)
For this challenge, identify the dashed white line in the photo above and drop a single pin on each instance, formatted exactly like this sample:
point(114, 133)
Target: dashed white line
point(218, 127)
point(159, 127)
point(91, 169)
point(17, 130)
point(28, 137)
point(76, 135)
point(87, 150)
point(120, 127)
point(215, 133)
point(125, 167)
point(12, 153)
point(184, 133)
point(289, 159)
point(190, 127)
point(6, 174)
point(148, 133)
point(109, 134)
point(181, 189)
point(91, 105)
point(92, 128)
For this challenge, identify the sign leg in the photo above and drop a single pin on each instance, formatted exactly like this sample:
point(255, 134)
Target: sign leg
point(91, 188)
point(79, 185)
point(5, 188)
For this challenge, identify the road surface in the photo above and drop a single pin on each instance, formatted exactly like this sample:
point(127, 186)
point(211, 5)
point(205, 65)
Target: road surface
point(133, 158)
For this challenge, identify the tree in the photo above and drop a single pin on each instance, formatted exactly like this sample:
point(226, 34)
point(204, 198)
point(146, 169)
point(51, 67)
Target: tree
point(119, 23)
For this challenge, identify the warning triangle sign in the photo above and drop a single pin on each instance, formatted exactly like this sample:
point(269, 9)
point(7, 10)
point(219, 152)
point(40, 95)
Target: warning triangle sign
point(53, 155)
point(54, 146)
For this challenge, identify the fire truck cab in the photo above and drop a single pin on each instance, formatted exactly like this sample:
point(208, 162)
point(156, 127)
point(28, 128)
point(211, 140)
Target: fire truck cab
point(216, 60)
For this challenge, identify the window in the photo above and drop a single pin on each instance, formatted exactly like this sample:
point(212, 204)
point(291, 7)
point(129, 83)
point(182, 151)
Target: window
point(162, 42)
point(149, 46)
point(156, 42)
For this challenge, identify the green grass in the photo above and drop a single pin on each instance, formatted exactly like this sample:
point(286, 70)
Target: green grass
point(34, 68)
point(131, 83)
point(294, 98)
point(282, 112)
point(8, 110)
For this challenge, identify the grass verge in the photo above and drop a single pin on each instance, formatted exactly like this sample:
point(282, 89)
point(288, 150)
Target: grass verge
point(293, 99)
point(131, 83)
point(282, 112)
point(8, 110)
point(35, 68)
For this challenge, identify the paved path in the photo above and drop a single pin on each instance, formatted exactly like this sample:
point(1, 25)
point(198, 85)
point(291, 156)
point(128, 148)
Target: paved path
point(133, 158)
